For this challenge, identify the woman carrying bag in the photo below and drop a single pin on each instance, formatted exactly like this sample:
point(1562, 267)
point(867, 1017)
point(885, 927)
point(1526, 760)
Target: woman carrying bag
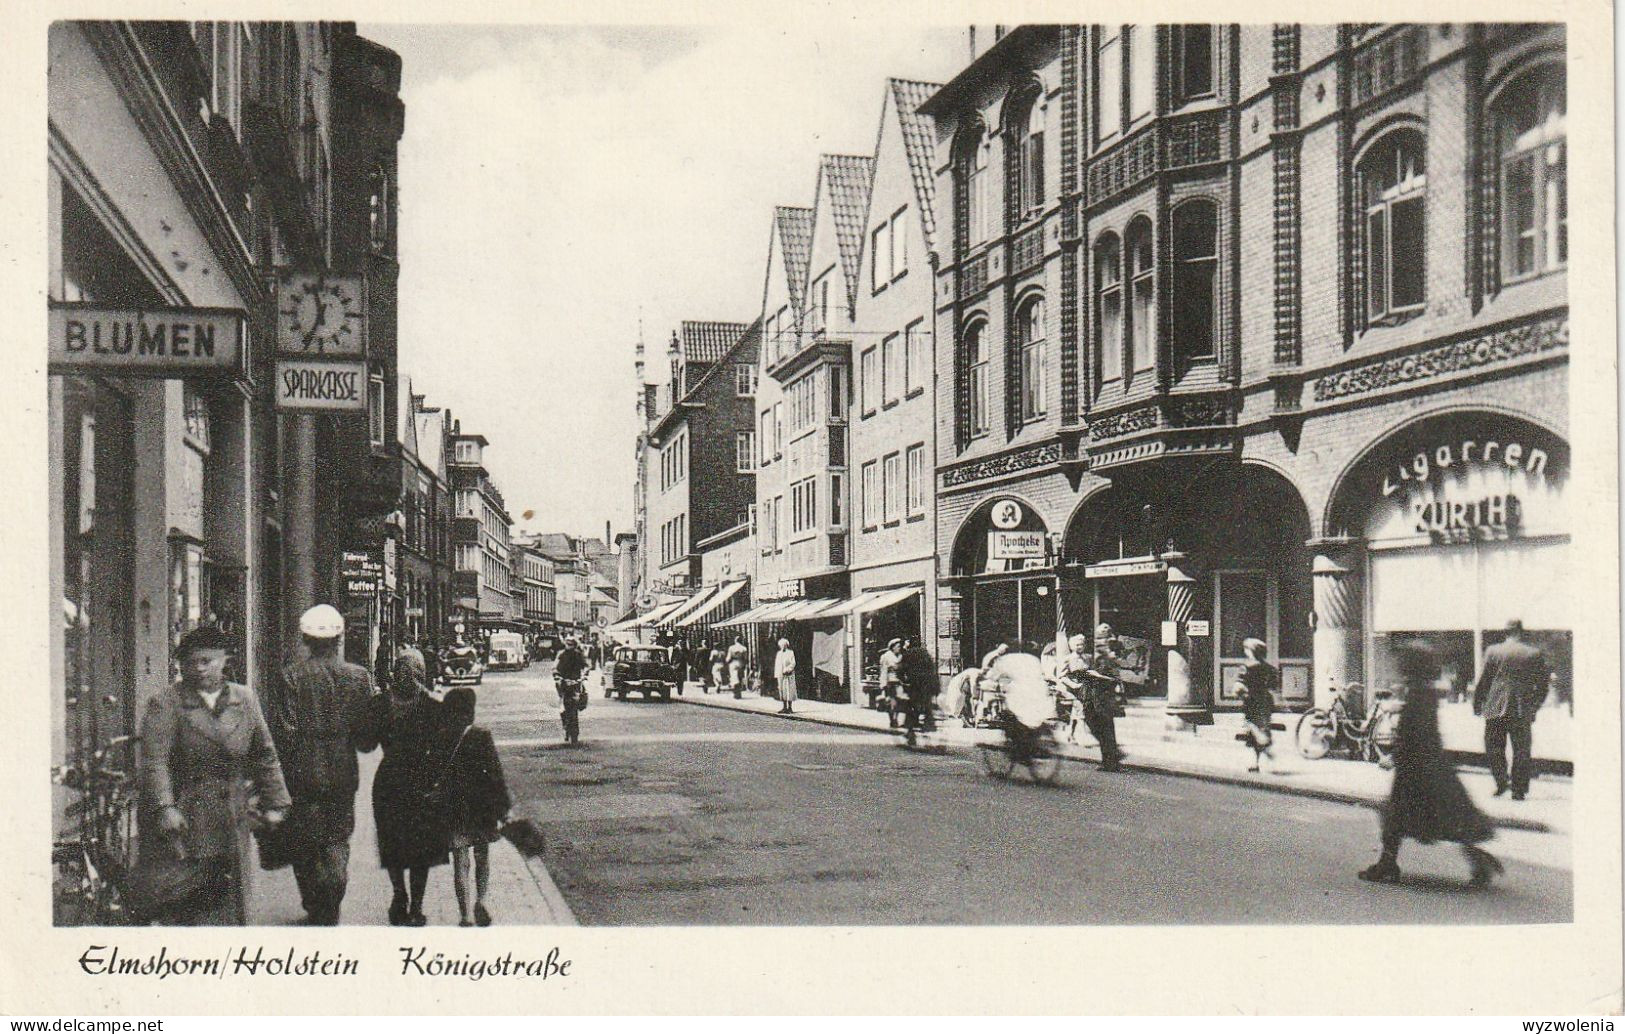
point(209, 777)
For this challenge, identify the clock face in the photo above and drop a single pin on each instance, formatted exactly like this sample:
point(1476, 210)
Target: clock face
point(321, 315)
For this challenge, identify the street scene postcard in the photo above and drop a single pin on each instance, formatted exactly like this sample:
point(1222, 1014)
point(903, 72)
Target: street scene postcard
point(907, 511)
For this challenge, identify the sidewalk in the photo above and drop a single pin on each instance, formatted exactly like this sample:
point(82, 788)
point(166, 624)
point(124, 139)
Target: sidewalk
point(521, 892)
point(1211, 754)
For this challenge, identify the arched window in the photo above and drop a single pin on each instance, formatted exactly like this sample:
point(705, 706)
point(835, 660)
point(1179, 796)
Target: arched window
point(1194, 290)
point(1531, 125)
point(1142, 323)
point(378, 208)
point(1393, 188)
point(977, 368)
point(970, 160)
point(1030, 342)
point(1108, 83)
point(1028, 128)
point(1109, 314)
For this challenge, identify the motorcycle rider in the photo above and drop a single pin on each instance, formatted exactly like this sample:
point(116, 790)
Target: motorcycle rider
point(568, 670)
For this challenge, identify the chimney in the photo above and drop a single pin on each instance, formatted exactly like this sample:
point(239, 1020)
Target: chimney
point(637, 368)
point(674, 356)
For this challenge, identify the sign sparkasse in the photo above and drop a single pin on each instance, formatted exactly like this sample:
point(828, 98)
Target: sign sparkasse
point(158, 342)
point(321, 385)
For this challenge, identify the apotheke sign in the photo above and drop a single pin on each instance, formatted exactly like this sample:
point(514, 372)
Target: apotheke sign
point(156, 342)
point(1016, 545)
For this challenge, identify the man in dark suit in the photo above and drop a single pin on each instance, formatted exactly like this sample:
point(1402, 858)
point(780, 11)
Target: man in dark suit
point(317, 714)
point(1511, 687)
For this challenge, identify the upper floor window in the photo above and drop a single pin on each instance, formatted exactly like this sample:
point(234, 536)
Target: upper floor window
point(1029, 145)
point(918, 361)
point(378, 208)
point(977, 368)
point(1195, 281)
point(1142, 323)
point(744, 451)
point(1142, 70)
point(1109, 315)
point(837, 392)
point(888, 250)
point(870, 489)
point(744, 379)
point(915, 473)
point(818, 314)
point(891, 362)
point(1531, 124)
point(976, 187)
point(869, 376)
point(1192, 62)
point(1393, 183)
point(891, 487)
point(1108, 83)
point(1030, 342)
point(375, 409)
point(765, 436)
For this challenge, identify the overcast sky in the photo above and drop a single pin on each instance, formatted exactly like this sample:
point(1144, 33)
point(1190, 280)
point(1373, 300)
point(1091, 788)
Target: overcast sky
point(557, 182)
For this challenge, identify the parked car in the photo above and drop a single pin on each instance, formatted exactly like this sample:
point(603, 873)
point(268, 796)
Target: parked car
point(460, 666)
point(508, 652)
point(641, 669)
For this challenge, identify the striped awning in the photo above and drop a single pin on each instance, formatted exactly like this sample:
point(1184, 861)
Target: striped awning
point(805, 610)
point(723, 594)
point(878, 600)
point(760, 612)
point(688, 607)
point(649, 617)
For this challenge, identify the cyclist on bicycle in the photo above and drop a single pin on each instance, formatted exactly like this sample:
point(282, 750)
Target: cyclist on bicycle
point(1028, 706)
point(568, 670)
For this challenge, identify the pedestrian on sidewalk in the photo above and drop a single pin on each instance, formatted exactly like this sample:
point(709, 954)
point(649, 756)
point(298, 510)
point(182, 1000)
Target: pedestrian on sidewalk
point(784, 673)
point(1427, 802)
point(412, 833)
point(1510, 690)
point(317, 712)
point(477, 801)
point(1256, 685)
point(917, 674)
point(737, 656)
point(890, 658)
point(1072, 672)
point(1100, 699)
point(719, 667)
point(699, 665)
point(209, 771)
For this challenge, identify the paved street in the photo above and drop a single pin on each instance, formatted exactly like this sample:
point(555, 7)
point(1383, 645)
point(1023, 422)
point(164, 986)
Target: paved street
point(673, 814)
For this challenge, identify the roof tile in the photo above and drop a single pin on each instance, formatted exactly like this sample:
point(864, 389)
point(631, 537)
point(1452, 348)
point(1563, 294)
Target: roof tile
point(706, 341)
point(919, 142)
point(795, 226)
point(847, 179)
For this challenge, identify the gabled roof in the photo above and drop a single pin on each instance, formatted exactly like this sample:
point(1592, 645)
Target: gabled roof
point(707, 342)
point(431, 433)
point(752, 336)
point(919, 142)
point(845, 179)
point(795, 227)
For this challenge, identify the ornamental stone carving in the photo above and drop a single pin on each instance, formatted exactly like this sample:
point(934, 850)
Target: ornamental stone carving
point(1009, 463)
point(1467, 354)
point(1129, 421)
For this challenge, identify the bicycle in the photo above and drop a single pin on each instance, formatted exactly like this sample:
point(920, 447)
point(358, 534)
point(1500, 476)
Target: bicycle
point(92, 863)
point(1322, 730)
point(1040, 754)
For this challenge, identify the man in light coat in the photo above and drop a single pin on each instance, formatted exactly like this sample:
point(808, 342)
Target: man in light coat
point(1512, 685)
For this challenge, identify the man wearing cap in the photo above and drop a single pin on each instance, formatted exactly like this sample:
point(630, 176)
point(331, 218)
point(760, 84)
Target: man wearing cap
point(318, 718)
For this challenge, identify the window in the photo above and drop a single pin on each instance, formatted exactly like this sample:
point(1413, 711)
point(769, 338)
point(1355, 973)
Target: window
point(1142, 70)
point(744, 379)
point(978, 206)
point(1393, 182)
point(917, 358)
point(891, 487)
point(880, 256)
point(818, 301)
point(899, 243)
point(375, 409)
point(870, 377)
point(916, 479)
point(378, 203)
point(1192, 62)
point(1142, 324)
point(1195, 274)
point(804, 505)
point(976, 363)
point(1030, 158)
point(197, 418)
point(744, 451)
point(1531, 117)
point(1109, 277)
point(871, 494)
point(1030, 342)
point(1108, 84)
point(837, 500)
point(778, 429)
point(837, 396)
point(891, 352)
point(803, 404)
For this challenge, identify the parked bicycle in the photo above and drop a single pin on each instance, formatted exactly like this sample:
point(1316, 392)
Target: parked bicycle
point(94, 861)
point(1368, 737)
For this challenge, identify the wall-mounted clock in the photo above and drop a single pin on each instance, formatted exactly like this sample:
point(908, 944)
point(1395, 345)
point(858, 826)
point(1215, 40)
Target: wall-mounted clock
point(321, 314)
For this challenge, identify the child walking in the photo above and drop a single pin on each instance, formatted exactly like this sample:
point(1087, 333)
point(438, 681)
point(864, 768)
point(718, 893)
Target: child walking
point(1258, 682)
point(478, 802)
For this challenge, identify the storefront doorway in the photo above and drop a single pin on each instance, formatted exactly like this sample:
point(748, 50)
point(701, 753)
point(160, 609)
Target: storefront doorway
point(1003, 562)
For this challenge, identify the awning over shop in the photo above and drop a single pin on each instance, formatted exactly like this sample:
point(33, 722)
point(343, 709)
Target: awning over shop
point(878, 600)
point(650, 617)
point(690, 605)
point(725, 593)
point(805, 610)
point(760, 612)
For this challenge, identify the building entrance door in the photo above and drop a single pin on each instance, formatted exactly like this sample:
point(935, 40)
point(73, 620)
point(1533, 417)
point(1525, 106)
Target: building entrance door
point(1248, 604)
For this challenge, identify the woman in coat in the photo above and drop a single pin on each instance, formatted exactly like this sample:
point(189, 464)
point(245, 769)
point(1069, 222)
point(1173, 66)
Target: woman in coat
point(209, 775)
point(784, 673)
point(1427, 802)
point(476, 796)
point(1257, 684)
point(412, 835)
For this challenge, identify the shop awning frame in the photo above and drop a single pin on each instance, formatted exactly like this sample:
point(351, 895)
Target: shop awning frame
point(724, 593)
point(687, 607)
point(648, 618)
point(759, 613)
point(805, 610)
point(876, 600)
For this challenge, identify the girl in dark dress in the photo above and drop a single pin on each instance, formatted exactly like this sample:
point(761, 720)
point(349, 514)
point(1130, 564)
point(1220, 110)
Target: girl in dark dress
point(477, 799)
point(1258, 681)
point(1427, 802)
point(412, 835)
